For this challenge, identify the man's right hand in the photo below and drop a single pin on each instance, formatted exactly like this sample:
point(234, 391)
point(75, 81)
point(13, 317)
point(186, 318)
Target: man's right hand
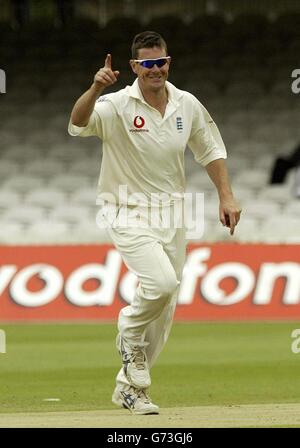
point(105, 76)
point(84, 106)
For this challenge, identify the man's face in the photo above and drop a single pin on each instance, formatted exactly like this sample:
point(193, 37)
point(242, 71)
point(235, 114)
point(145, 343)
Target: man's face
point(151, 78)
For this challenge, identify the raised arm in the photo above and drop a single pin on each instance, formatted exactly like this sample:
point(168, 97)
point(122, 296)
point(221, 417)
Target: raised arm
point(84, 106)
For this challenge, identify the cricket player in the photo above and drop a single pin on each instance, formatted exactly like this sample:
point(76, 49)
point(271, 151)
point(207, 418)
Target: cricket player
point(145, 129)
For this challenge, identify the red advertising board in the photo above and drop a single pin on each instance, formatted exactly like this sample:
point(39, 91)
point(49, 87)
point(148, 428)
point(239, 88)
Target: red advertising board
point(220, 282)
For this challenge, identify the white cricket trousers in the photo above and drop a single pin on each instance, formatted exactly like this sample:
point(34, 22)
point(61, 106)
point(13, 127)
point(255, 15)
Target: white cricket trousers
point(156, 255)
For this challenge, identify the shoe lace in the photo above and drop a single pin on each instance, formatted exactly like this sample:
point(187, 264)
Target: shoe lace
point(133, 394)
point(144, 396)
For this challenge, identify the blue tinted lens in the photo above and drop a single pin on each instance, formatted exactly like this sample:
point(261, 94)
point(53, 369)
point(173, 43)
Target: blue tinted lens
point(150, 63)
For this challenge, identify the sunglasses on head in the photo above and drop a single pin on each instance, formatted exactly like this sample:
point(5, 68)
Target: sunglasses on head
point(149, 63)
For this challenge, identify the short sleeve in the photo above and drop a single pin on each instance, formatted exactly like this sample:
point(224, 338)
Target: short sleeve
point(205, 140)
point(101, 122)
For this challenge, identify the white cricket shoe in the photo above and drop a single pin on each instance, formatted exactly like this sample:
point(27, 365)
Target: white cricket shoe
point(137, 401)
point(135, 364)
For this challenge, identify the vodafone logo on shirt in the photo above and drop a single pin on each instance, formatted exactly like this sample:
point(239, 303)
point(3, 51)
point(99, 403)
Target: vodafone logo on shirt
point(139, 123)
point(220, 282)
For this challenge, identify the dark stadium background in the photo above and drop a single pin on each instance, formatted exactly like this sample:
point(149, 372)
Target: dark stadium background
point(237, 57)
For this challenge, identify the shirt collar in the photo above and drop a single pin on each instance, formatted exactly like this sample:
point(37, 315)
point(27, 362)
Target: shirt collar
point(174, 94)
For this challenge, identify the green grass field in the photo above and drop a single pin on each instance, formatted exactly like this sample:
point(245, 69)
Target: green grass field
point(202, 364)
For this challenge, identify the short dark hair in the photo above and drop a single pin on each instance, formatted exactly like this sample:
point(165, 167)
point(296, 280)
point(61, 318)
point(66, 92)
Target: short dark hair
point(147, 39)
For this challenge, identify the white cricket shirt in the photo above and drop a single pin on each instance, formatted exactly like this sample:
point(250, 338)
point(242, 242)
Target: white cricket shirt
point(144, 152)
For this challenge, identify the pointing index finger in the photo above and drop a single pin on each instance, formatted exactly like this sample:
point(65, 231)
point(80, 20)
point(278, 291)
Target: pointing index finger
point(232, 224)
point(108, 61)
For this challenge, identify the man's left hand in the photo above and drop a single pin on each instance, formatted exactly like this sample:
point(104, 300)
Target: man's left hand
point(230, 212)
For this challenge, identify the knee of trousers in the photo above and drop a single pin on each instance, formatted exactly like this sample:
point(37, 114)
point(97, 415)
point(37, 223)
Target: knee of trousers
point(166, 286)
